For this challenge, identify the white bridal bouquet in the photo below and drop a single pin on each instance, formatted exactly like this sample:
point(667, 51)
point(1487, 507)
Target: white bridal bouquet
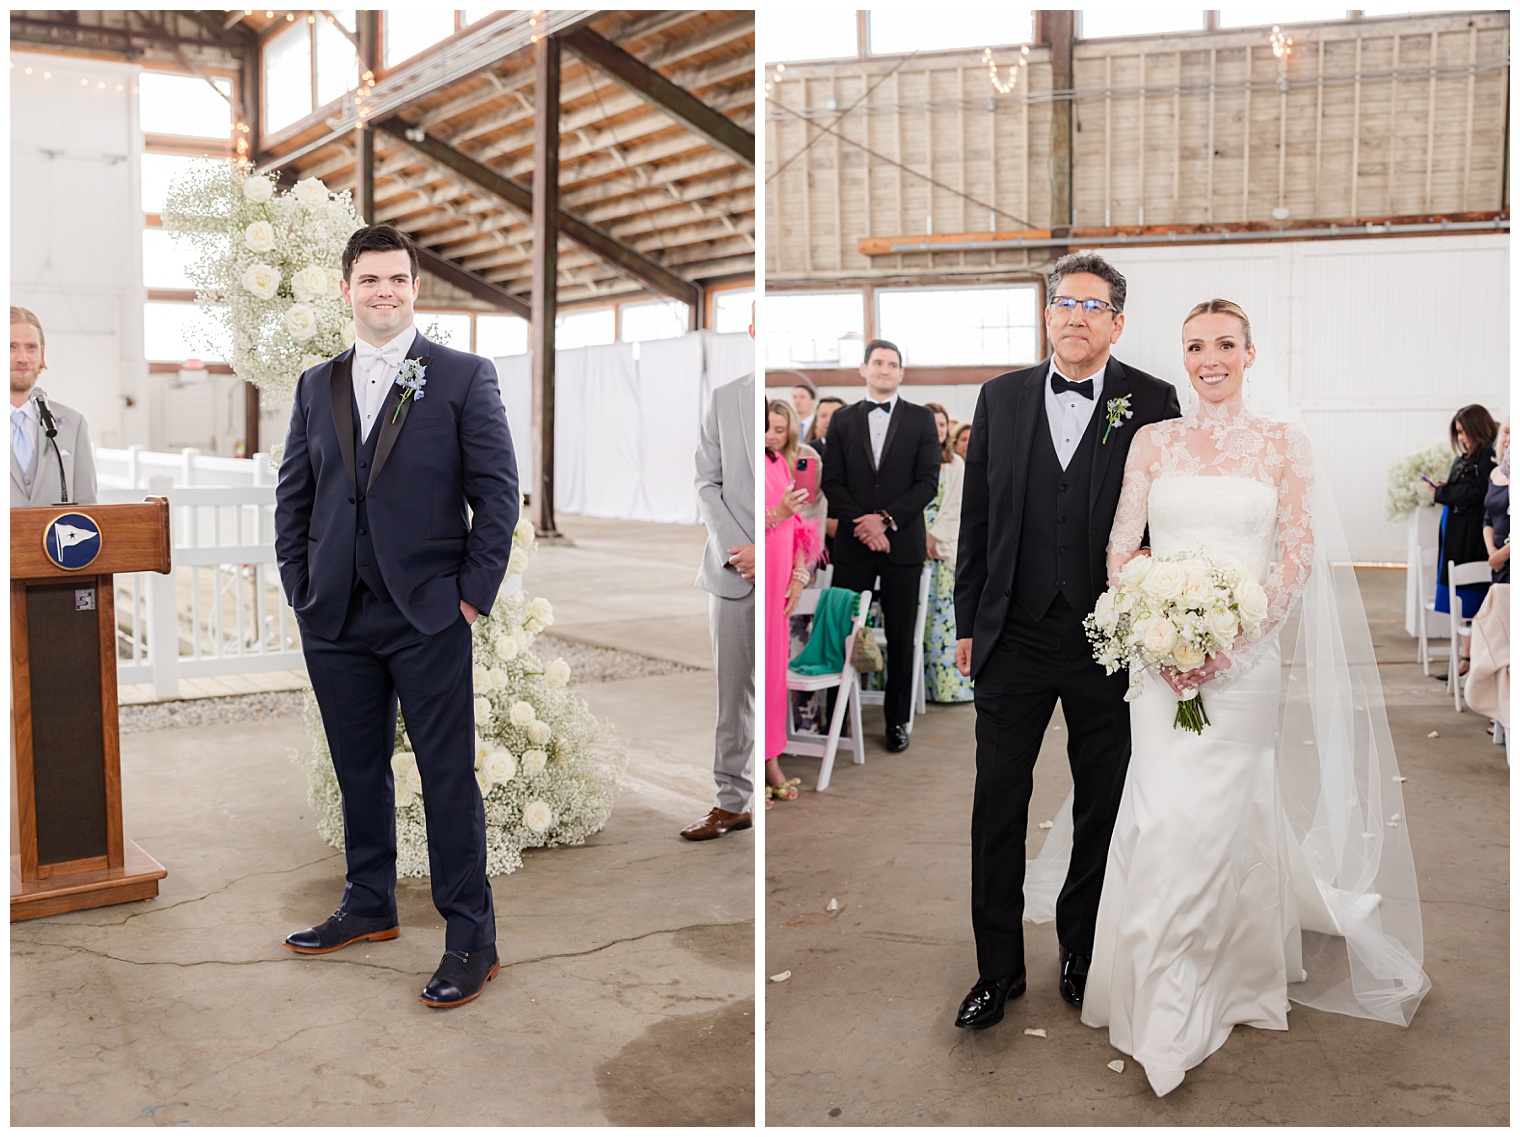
point(1175, 612)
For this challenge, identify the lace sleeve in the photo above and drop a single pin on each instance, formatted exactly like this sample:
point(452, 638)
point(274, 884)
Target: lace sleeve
point(1130, 516)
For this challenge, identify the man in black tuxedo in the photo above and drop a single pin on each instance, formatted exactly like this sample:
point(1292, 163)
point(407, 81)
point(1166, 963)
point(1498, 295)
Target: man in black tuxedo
point(881, 473)
point(1043, 473)
point(387, 570)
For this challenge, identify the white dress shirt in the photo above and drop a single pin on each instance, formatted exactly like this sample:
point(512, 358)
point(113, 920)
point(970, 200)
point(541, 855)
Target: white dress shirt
point(878, 423)
point(374, 373)
point(33, 425)
point(1069, 413)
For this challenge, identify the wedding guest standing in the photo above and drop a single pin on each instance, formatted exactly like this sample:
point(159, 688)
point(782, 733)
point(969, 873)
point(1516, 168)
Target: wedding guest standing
point(1496, 512)
point(726, 498)
point(818, 433)
point(804, 400)
point(883, 469)
point(962, 439)
point(35, 458)
point(1473, 431)
point(791, 545)
point(943, 682)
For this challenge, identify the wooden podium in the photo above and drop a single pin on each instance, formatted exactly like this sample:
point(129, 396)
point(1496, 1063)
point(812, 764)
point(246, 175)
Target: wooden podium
point(64, 725)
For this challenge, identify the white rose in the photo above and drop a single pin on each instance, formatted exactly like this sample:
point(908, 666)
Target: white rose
point(414, 779)
point(1160, 637)
point(1231, 570)
point(401, 762)
point(522, 713)
point(541, 610)
point(262, 280)
point(1164, 581)
point(496, 679)
point(258, 189)
point(310, 361)
point(501, 767)
point(1124, 602)
point(532, 626)
point(523, 534)
point(534, 762)
point(516, 562)
point(483, 782)
point(1253, 601)
point(1186, 656)
point(301, 322)
point(310, 283)
point(537, 816)
point(539, 733)
point(1134, 571)
point(1104, 614)
point(557, 674)
point(480, 678)
point(505, 645)
point(350, 333)
point(405, 795)
point(311, 193)
point(1223, 625)
point(259, 237)
point(482, 710)
point(482, 751)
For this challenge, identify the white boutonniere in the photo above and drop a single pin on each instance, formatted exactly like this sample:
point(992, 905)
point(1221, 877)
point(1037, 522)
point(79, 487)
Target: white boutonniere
point(411, 379)
point(1117, 409)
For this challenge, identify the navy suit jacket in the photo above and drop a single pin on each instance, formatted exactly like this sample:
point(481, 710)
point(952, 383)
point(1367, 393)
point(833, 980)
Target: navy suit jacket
point(447, 450)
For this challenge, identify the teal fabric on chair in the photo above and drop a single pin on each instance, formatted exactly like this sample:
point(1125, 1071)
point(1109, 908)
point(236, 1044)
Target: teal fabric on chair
point(824, 653)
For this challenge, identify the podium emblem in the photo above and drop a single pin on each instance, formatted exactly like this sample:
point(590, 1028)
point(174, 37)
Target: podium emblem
point(71, 541)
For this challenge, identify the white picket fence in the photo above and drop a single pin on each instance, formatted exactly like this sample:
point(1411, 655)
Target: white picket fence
point(221, 608)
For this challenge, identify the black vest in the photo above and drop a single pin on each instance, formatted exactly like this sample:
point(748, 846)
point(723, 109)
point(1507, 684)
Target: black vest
point(1053, 544)
point(365, 567)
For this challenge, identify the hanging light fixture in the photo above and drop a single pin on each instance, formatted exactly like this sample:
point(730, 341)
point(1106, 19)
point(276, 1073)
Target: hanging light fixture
point(998, 85)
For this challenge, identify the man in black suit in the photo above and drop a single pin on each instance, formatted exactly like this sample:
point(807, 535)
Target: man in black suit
point(387, 569)
point(881, 472)
point(1043, 473)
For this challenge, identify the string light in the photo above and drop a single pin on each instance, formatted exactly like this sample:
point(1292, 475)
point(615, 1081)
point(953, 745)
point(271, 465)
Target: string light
point(999, 85)
point(1282, 45)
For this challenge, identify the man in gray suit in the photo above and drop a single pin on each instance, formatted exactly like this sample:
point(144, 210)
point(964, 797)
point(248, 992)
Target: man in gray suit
point(34, 459)
point(726, 497)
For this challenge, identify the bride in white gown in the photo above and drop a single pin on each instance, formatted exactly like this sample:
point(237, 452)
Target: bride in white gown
point(1229, 864)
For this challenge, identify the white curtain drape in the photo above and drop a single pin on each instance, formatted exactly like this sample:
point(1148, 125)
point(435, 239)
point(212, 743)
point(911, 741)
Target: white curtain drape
point(625, 422)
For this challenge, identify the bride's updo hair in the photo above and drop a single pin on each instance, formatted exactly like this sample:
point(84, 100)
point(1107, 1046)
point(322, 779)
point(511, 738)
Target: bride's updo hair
point(1223, 308)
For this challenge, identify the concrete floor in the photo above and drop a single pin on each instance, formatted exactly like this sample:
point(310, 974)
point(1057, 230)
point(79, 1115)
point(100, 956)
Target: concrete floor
point(862, 1034)
point(626, 994)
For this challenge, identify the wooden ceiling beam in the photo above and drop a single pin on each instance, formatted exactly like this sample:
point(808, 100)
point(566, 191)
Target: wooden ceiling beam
point(645, 83)
point(476, 285)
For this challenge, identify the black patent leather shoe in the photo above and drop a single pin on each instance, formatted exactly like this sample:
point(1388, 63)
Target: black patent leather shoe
point(341, 929)
point(897, 739)
point(1074, 966)
point(983, 1005)
point(461, 976)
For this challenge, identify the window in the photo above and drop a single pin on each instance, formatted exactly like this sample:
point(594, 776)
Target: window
point(287, 78)
point(337, 62)
point(453, 327)
point(163, 261)
point(158, 170)
point(893, 31)
point(1096, 23)
point(813, 329)
point(176, 332)
point(950, 327)
point(496, 336)
point(408, 30)
point(586, 327)
point(824, 34)
point(184, 105)
point(731, 309)
point(654, 320)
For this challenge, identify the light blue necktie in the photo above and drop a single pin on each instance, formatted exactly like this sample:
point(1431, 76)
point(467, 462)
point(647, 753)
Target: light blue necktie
point(21, 439)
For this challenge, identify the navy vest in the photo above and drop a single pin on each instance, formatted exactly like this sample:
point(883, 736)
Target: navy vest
point(365, 567)
point(1053, 545)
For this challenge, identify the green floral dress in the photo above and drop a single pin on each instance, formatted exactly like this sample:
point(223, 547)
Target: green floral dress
point(942, 682)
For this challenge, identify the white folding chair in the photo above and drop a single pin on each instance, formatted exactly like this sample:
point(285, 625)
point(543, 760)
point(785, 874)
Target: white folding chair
point(1425, 593)
point(919, 702)
point(1472, 572)
point(847, 698)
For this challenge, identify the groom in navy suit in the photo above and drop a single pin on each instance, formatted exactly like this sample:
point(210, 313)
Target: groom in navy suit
point(387, 568)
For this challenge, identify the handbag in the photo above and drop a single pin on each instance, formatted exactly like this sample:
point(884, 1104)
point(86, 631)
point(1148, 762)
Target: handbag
point(866, 654)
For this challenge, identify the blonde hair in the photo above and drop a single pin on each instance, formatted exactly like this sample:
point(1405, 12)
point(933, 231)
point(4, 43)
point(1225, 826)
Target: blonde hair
point(1220, 307)
point(27, 316)
point(785, 409)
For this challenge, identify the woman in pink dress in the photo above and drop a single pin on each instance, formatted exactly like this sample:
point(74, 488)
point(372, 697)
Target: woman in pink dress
point(791, 546)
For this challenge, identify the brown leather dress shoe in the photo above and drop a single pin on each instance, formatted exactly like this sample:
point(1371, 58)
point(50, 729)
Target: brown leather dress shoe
point(715, 824)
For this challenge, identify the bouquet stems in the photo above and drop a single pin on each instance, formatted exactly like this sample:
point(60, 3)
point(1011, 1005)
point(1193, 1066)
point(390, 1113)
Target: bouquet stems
point(1190, 714)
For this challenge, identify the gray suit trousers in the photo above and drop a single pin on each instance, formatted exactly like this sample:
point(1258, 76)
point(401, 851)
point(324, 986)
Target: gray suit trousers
point(732, 623)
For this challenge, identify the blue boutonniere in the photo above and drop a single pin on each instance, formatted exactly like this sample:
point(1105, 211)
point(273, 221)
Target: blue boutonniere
point(411, 379)
point(1117, 409)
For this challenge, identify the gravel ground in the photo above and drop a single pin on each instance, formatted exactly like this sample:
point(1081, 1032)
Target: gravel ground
point(587, 665)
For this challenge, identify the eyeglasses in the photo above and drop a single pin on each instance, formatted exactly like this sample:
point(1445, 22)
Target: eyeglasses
point(1091, 307)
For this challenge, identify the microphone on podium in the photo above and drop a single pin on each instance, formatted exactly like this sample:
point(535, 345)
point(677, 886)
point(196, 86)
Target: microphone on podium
point(50, 427)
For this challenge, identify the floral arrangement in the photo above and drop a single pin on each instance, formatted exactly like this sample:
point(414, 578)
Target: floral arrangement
point(267, 264)
point(547, 769)
point(1174, 612)
point(1407, 489)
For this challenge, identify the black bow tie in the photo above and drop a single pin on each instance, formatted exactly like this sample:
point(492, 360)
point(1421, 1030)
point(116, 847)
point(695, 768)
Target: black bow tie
point(887, 406)
point(1058, 384)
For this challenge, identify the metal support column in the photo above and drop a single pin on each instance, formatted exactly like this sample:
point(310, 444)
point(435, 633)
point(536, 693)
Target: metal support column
point(545, 270)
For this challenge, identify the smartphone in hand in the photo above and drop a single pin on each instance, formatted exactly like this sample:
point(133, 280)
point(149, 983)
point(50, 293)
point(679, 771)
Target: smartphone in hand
point(807, 478)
